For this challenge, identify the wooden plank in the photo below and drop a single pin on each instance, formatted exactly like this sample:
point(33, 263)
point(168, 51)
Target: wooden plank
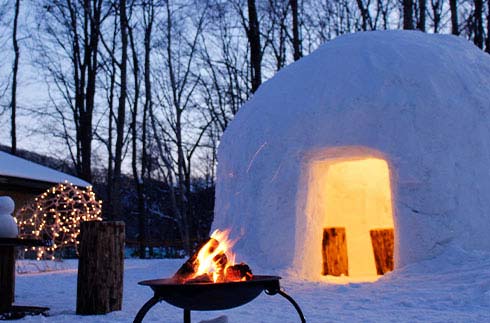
point(383, 248)
point(7, 277)
point(100, 267)
point(334, 250)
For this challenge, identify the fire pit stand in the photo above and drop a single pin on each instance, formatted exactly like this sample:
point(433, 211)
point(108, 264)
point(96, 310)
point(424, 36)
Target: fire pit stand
point(211, 296)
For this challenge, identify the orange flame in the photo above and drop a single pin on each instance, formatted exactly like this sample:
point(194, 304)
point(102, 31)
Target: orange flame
point(211, 255)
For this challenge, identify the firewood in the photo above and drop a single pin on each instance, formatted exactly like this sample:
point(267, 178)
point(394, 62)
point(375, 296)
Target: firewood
point(204, 278)
point(238, 272)
point(383, 245)
point(334, 249)
point(189, 268)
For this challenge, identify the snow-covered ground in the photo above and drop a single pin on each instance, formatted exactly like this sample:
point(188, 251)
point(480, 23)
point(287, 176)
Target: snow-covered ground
point(444, 289)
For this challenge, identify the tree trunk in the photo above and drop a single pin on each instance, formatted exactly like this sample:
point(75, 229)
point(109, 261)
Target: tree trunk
point(383, 248)
point(143, 221)
point(408, 14)
point(253, 35)
point(453, 5)
point(422, 9)
point(100, 267)
point(138, 181)
point(15, 68)
point(7, 276)
point(86, 146)
point(297, 54)
point(334, 250)
point(478, 23)
point(121, 113)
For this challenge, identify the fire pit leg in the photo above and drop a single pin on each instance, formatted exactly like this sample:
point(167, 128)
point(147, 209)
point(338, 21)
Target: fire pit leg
point(148, 305)
point(187, 316)
point(296, 306)
point(273, 290)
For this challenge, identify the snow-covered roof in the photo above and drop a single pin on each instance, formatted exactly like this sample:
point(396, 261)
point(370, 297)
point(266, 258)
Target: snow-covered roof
point(14, 166)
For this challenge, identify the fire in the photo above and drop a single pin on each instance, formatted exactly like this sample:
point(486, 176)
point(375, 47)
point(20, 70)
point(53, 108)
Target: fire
point(214, 262)
point(215, 256)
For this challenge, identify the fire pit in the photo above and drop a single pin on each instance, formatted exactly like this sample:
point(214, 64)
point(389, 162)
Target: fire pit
point(211, 296)
point(210, 280)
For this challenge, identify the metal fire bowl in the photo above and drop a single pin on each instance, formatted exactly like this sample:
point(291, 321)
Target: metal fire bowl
point(212, 296)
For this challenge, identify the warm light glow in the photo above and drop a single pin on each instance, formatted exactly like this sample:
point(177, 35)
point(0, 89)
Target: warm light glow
point(353, 194)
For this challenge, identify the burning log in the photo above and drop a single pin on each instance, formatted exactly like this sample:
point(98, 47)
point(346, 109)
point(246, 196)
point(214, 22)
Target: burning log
point(238, 272)
point(204, 278)
point(189, 268)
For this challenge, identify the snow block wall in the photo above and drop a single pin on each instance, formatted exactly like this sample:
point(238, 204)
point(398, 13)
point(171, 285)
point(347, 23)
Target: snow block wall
point(419, 101)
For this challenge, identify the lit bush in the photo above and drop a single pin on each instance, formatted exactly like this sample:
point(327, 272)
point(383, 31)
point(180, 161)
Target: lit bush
point(56, 215)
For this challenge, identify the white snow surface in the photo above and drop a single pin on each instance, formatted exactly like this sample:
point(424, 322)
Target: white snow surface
point(444, 289)
point(14, 166)
point(417, 100)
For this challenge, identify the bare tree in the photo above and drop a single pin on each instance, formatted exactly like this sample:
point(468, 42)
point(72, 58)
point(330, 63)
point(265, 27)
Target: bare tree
point(139, 134)
point(365, 15)
point(15, 68)
point(121, 111)
point(276, 34)
point(253, 34)
point(224, 82)
point(174, 128)
point(436, 14)
point(70, 34)
point(250, 23)
point(297, 52)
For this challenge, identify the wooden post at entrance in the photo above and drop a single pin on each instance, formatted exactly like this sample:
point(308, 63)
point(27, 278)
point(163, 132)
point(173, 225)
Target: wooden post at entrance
point(7, 277)
point(100, 267)
point(383, 248)
point(334, 251)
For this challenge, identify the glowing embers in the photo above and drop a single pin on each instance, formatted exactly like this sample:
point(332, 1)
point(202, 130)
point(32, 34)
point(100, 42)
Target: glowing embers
point(350, 206)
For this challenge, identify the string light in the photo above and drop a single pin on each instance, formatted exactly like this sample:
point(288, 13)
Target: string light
point(56, 215)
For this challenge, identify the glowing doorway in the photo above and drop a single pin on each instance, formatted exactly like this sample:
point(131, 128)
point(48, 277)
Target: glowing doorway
point(351, 199)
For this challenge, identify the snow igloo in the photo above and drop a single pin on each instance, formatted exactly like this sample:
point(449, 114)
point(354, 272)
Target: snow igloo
point(373, 132)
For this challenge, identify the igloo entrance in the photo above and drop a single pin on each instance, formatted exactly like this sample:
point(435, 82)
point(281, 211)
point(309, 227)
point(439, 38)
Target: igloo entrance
point(349, 218)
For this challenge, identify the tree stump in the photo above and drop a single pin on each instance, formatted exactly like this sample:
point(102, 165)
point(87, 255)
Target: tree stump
point(7, 277)
point(383, 248)
point(100, 267)
point(334, 250)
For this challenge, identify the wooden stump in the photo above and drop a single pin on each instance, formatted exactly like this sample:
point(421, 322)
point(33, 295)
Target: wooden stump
point(334, 250)
point(7, 276)
point(383, 248)
point(100, 267)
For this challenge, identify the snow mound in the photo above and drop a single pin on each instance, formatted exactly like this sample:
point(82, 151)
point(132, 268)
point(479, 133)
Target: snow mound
point(419, 101)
